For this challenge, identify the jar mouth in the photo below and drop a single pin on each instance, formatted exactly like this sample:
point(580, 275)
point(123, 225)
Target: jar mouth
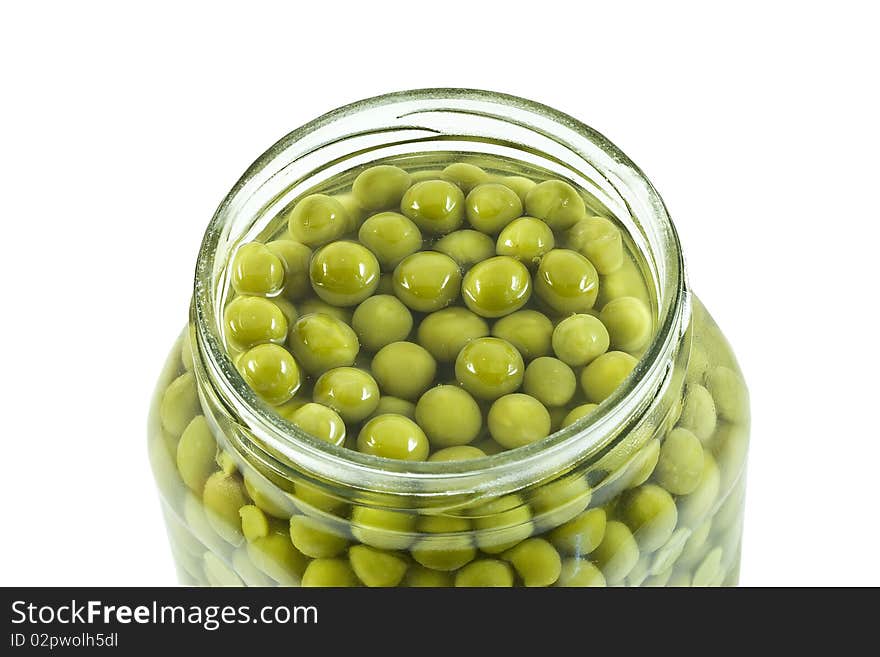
point(453, 119)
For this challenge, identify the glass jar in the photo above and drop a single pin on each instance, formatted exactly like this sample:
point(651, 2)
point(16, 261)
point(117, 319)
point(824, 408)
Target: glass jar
point(603, 501)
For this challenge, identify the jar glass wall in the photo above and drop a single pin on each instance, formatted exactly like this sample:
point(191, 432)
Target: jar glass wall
point(646, 490)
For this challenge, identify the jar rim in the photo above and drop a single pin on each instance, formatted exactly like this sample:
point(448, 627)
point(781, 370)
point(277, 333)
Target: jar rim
point(508, 470)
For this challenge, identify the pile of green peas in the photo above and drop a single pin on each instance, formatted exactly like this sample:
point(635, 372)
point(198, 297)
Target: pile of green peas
point(482, 345)
point(437, 315)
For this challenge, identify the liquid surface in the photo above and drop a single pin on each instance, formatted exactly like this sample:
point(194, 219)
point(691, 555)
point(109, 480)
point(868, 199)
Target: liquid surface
point(404, 310)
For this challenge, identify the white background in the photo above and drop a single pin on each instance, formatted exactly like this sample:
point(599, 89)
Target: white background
point(122, 128)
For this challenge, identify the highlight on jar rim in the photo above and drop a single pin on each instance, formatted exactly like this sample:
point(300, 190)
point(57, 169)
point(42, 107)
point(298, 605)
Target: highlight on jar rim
point(445, 338)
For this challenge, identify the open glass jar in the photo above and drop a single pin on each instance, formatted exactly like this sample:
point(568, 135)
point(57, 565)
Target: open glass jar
point(645, 490)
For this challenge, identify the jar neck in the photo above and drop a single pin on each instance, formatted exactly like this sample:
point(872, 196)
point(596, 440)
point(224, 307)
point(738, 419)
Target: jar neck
point(419, 122)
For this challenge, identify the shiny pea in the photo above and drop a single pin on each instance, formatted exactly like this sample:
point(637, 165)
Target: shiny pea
point(435, 206)
point(444, 333)
point(466, 247)
point(391, 237)
point(427, 281)
point(496, 287)
point(381, 186)
point(566, 281)
point(318, 219)
point(256, 270)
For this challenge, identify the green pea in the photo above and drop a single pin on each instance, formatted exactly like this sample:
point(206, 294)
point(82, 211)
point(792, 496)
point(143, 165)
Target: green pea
point(254, 523)
point(344, 273)
point(311, 498)
point(578, 412)
point(265, 496)
point(527, 239)
point(729, 392)
point(522, 186)
point(318, 219)
point(582, 534)
point(490, 207)
point(466, 247)
point(314, 305)
point(557, 203)
point(536, 561)
point(195, 454)
point(354, 211)
point(496, 287)
point(527, 330)
point(329, 573)
point(445, 544)
point(321, 422)
point(693, 508)
point(709, 569)
point(223, 496)
point(457, 453)
point(435, 206)
point(291, 314)
point(449, 416)
point(316, 538)
point(381, 320)
point(186, 351)
point(180, 404)
point(559, 501)
point(445, 332)
point(626, 281)
point(321, 342)
point(580, 339)
point(484, 573)
point(391, 237)
point(629, 323)
point(393, 437)
point(383, 528)
point(376, 568)
point(395, 405)
point(381, 186)
point(550, 381)
point(489, 368)
point(679, 579)
point(604, 375)
point(680, 466)
point(639, 573)
point(698, 413)
point(251, 321)
point(256, 270)
point(246, 569)
point(428, 174)
point(618, 552)
point(698, 364)
point(600, 241)
point(651, 514)
point(567, 282)
point(580, 573)
point(642, 465)
point(271, 372)
point(218, 573)
point(516, 420)
point(419, 576)
point(295, 260)
point(427, 281)
point(730, 447)
point(502, 523)
point(665, 558)
point(351, 392)
point(403, 369)
point(696, 545)
point(466, 176)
